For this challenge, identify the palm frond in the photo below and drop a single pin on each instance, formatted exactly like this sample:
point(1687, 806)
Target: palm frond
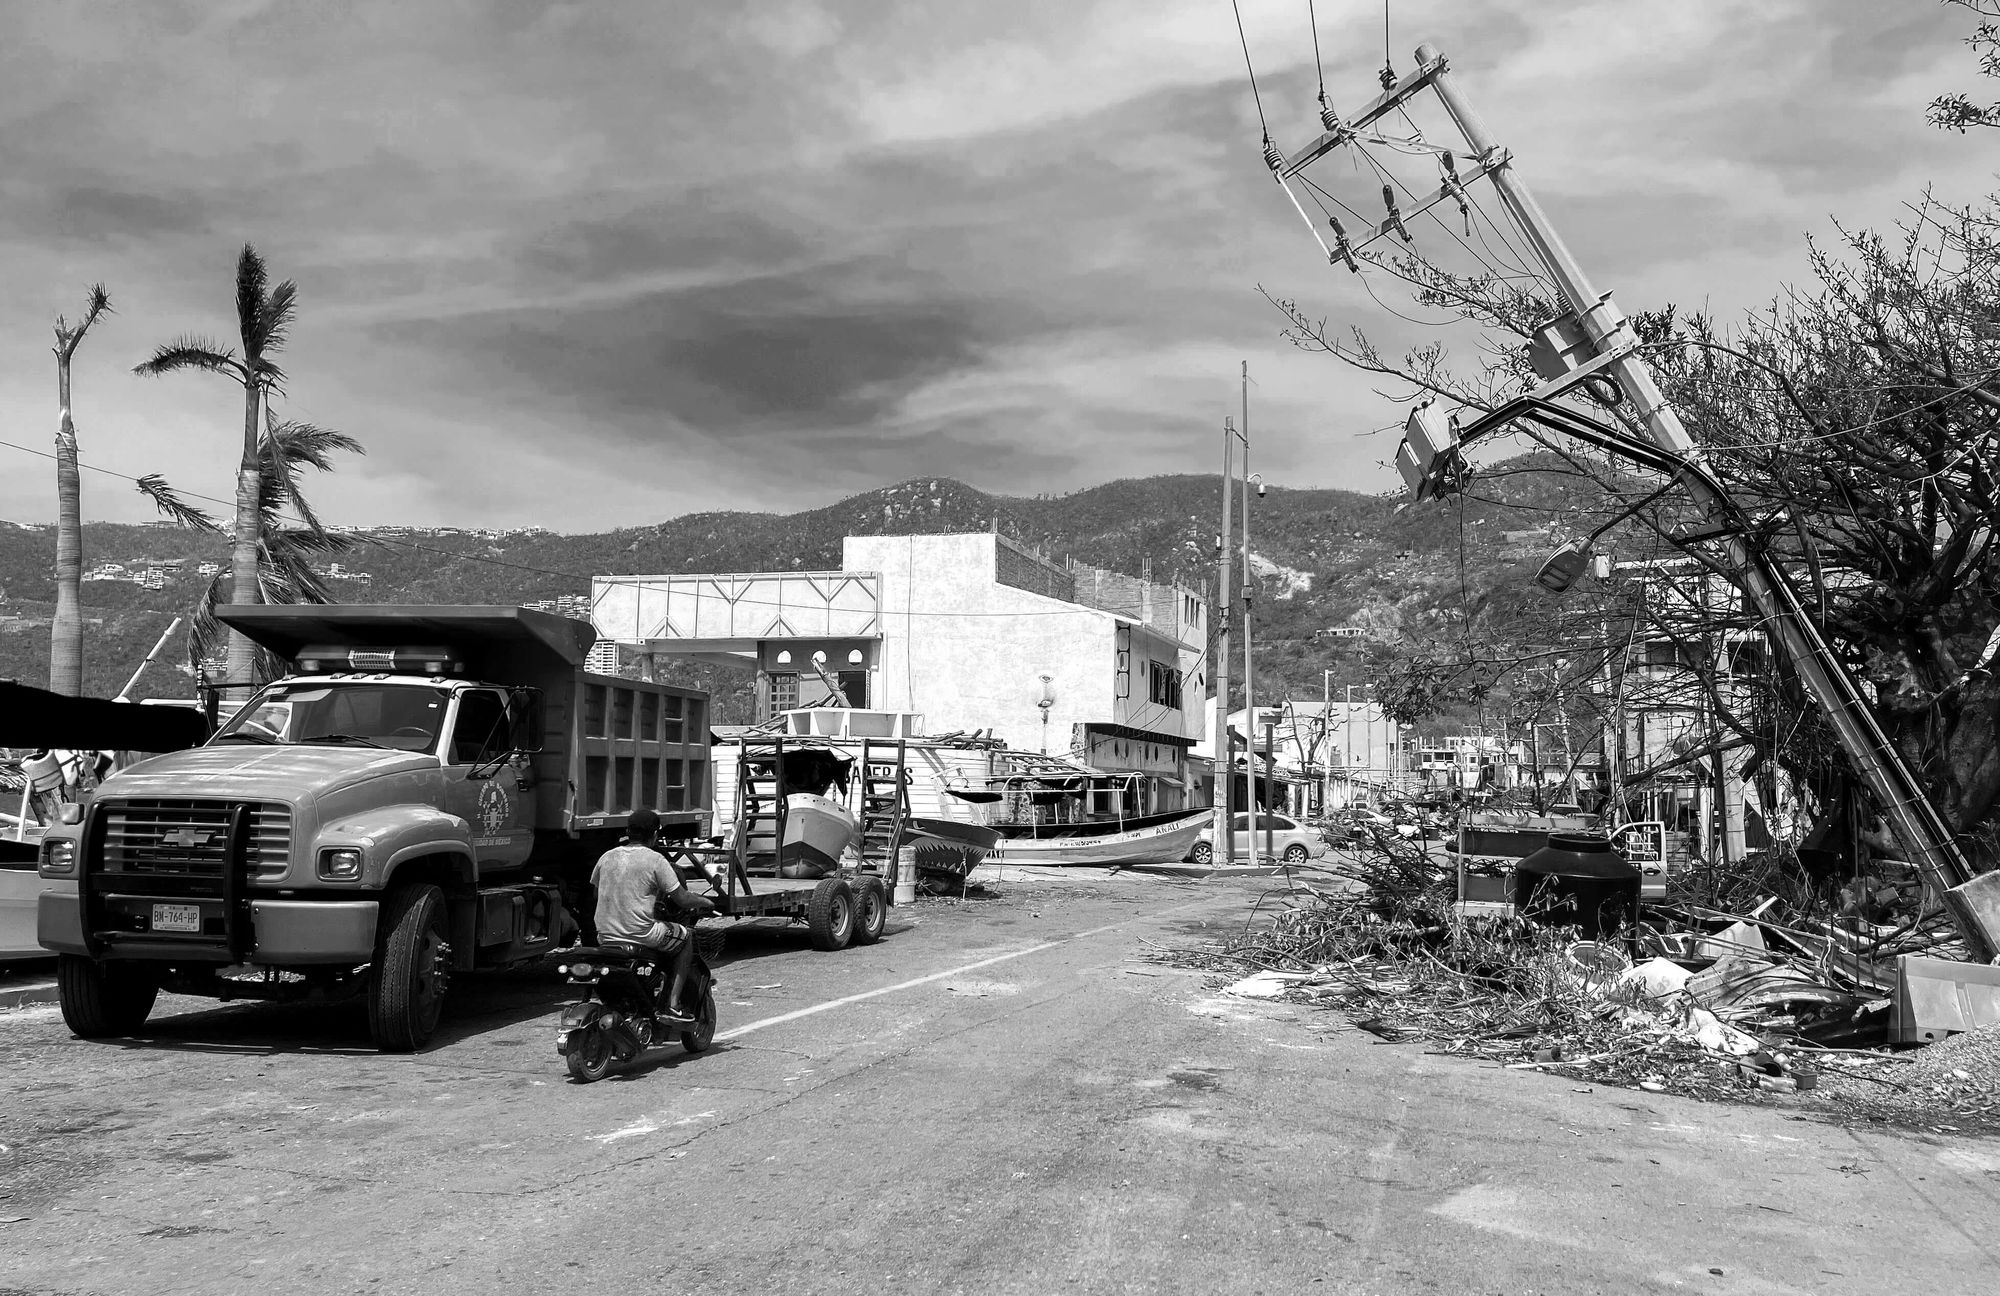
point(250, 280)
point(269, 373)
point(100, 304)
point(191, 352)
point(301, 444)
point(308, 541)
point(67, 338)
point(168, 501)
point(274, 319)
point(288, 447)
point(285, 575)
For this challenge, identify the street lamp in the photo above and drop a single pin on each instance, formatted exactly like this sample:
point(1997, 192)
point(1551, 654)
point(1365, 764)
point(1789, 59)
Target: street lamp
point(1048, 699)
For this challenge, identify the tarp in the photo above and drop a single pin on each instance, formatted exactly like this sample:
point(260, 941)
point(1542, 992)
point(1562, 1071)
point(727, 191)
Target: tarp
point(32, 717)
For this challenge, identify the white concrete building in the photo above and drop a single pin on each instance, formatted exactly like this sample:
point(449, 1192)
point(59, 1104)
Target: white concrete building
point(975, 632)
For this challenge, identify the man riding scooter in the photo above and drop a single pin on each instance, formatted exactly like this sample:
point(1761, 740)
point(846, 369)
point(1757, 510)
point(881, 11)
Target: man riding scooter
point(631, 881)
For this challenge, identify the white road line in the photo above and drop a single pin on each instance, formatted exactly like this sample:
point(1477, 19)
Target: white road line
point(843, 1001)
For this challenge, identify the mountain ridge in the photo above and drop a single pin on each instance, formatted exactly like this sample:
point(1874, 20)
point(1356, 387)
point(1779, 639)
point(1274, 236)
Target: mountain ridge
point(1328, 557)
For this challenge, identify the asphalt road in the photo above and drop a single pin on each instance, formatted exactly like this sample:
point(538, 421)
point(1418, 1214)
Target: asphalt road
point(1004, 1096)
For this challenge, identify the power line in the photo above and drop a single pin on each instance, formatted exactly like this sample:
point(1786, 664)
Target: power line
point(1259, 99)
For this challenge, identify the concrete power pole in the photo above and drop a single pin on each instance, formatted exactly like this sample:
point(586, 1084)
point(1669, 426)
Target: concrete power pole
point(1974, 899)
point(1250, 802)
point(1223, 845)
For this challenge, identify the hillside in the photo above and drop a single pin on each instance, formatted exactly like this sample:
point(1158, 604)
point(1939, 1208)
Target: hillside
point(1326, 557)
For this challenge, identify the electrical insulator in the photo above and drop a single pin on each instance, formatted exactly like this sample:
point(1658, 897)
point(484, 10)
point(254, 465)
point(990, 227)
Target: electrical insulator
point(1395, 221)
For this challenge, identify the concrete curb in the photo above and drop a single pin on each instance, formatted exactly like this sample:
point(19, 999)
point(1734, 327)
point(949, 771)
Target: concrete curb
point(1203, 870)
point(26, 994)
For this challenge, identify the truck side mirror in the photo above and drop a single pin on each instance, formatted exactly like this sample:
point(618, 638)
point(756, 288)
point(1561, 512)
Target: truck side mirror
point(524, 716)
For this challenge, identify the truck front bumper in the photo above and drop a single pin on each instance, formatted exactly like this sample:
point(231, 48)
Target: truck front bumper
point(287, 932)
point(314, 931)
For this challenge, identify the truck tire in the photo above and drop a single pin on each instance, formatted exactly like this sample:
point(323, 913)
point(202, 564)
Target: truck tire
point(871, 903)
point(830, 914)
point(412, 970)
point(100, 999)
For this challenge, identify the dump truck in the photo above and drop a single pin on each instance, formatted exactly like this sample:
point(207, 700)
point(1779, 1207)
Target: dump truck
point(423, 792)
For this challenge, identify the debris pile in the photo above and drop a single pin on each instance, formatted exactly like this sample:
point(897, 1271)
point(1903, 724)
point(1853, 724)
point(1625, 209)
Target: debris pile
point(1770, 998)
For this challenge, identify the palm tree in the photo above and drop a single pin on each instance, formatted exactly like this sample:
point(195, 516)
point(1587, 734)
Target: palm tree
point(263, 321)
point(66, 632)
point(290, 534)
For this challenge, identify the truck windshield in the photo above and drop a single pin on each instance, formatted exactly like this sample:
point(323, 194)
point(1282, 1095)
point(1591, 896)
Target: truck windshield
point(405, 717)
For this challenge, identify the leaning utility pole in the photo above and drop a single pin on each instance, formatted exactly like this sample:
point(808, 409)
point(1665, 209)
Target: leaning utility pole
point(1222, 844)
point(1595, 339)
point(1250, 801)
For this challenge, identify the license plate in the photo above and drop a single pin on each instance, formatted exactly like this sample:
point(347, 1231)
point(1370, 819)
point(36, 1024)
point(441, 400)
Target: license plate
point(176, 918)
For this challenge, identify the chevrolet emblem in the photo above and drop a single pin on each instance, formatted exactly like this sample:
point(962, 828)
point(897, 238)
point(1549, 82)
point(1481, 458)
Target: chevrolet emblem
point(187, 838)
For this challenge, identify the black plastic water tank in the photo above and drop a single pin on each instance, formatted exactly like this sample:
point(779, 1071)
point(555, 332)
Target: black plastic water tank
point(1577, 880)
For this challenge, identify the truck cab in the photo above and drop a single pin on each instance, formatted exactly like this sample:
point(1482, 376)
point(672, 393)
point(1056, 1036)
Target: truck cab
point(422, 793)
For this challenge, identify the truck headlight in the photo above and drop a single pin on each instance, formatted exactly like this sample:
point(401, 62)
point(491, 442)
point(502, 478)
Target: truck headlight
point(58, 858)
point(342, 864)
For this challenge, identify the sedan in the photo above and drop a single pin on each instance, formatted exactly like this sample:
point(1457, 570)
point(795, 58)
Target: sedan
point(1289, 840)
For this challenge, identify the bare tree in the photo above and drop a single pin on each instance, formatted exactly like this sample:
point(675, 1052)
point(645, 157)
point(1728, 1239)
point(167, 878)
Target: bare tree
point(66, 630)
point(1956, 111)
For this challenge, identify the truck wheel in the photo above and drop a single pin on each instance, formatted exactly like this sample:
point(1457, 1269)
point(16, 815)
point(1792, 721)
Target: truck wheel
point(830, 914)
point(872, 911)
point(698, 1037)
point(412, 970)
point(100, 999)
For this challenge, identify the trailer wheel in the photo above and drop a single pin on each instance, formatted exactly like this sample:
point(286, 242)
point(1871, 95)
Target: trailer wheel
point(412, 971)
point(830, 914)
point(100, 999)
point(872, 911)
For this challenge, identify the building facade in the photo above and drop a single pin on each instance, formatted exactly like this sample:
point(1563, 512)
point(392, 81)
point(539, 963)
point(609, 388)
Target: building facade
point(974, 632)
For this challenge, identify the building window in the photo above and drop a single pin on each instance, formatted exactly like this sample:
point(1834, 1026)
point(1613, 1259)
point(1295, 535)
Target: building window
point(1165, 685)
point(784, 692)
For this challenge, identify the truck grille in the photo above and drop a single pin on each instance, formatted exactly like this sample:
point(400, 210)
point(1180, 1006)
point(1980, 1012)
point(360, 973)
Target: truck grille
point(191, 838)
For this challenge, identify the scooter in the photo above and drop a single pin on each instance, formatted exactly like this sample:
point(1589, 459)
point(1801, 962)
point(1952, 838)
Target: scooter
point(618, 1017)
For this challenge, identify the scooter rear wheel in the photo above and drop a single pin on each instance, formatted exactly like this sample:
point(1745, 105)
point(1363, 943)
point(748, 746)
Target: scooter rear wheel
point(698, 1037)
point(589, 1055)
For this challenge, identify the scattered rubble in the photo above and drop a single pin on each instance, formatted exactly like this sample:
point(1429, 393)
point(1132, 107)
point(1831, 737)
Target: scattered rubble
point(1777, 1000)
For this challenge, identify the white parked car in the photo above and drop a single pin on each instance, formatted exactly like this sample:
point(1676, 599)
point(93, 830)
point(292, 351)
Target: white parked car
point(1289, 840)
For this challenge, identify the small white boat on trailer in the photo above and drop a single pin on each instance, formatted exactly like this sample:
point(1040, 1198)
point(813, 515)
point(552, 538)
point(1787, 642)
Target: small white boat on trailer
point(1105, 845)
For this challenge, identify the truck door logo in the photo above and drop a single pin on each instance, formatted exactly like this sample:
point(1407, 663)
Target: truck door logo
point(494, 812)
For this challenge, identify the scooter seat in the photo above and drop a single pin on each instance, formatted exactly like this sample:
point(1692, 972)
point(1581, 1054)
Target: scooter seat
point(614, 952)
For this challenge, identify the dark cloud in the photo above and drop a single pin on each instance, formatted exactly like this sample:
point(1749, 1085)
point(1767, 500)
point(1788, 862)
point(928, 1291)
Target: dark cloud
point(786, 349)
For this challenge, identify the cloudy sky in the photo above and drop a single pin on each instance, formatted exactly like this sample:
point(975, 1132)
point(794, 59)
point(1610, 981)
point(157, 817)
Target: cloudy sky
point(594, 264)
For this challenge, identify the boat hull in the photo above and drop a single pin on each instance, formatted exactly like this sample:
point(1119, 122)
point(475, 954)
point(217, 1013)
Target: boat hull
point(1161, 843)
point(946, 847)
point(817, 833)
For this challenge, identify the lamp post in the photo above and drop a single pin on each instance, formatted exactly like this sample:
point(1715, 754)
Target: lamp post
point(1048, 699)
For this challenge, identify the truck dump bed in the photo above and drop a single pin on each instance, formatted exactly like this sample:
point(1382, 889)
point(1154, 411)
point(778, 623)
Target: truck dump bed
point(609, 745)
